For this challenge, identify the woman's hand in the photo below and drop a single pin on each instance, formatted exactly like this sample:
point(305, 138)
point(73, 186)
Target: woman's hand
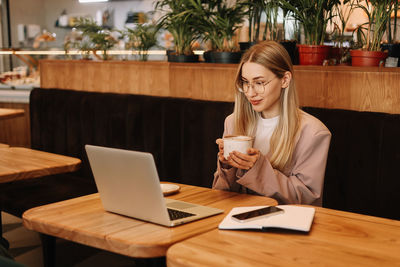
point(237, 159)
point(244, 161)
point(221, 157)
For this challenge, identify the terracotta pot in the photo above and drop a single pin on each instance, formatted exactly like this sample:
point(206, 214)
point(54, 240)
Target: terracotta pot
point(313, 54)
point(367, 58)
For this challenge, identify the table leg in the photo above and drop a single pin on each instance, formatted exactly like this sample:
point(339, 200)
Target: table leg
point(49, 250)
point(4, 242)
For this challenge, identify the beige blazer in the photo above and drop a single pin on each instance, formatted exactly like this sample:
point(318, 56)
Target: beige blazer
point(303, 178)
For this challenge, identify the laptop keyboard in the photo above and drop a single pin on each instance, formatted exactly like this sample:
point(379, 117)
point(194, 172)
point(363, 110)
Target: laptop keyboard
point(177, 214)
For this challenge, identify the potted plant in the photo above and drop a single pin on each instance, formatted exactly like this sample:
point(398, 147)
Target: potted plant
point(267, 12)
point(181, 22)
point(291, 43)
point(370, 33)
point(73, 40)
point(141, 38)
point(255, 10)
point(218, 22)
point(392, 46)
point(272, 30)
point(99, 38)
point(339, 52)
point(314, 17)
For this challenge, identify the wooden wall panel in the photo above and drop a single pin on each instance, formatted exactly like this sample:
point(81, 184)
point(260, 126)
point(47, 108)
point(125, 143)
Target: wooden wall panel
point(183, 80)
point(345, 87)
point(109, 76)
point(203, 81)
point(355, 88)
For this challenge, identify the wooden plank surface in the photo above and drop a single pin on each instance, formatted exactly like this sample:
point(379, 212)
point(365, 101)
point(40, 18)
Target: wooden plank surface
point(83, 220)
point(110, 76)
point(346, 87)
point(203, 81)
point(336, 239)
point(16, 132)
point(8, 113)
point(18, 163)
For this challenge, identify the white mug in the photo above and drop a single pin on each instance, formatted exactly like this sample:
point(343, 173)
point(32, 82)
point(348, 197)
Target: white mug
point(237, 143)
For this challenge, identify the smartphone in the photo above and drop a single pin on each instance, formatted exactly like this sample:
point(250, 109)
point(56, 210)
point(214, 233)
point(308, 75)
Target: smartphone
point(257, 214)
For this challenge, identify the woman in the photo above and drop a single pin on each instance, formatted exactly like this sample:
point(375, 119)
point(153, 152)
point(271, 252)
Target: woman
point(288, 158)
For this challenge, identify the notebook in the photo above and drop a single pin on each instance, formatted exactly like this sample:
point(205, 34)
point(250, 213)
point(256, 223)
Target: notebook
point(294, 218)
point(129, 185)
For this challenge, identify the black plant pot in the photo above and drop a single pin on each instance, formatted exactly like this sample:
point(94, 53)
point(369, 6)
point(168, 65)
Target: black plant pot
point(207, 57)
point(222, 57)
point(182, 58)
point(393, 51)
point(291, 48)
point(245, 45)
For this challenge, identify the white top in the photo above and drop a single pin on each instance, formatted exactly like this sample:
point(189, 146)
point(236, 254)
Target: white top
point(265, 128)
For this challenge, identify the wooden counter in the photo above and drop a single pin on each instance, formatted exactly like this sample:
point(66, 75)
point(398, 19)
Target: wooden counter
point(191, 80)
point(345, 87)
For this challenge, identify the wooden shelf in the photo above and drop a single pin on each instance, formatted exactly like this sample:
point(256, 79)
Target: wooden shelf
point(344, 87)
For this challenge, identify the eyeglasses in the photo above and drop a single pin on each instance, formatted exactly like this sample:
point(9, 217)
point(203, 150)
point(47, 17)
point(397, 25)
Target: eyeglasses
point(258, 86)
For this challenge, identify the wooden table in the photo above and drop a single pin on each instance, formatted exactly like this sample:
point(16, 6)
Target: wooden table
point(83, 220)
point(7, 113)
point(336, 239)
point(17, 163)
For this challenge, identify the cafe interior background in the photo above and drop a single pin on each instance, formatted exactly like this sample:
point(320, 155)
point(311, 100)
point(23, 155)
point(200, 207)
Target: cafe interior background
point(40, 28)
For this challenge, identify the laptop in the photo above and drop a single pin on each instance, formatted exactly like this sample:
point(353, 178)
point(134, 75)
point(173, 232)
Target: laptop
point(129, 185)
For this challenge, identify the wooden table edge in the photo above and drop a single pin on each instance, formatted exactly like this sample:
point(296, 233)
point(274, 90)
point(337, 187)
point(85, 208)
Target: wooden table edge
point(15, 114)
point(73, 165)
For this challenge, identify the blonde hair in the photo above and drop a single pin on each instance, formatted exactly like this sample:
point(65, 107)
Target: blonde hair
point(274, 57)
